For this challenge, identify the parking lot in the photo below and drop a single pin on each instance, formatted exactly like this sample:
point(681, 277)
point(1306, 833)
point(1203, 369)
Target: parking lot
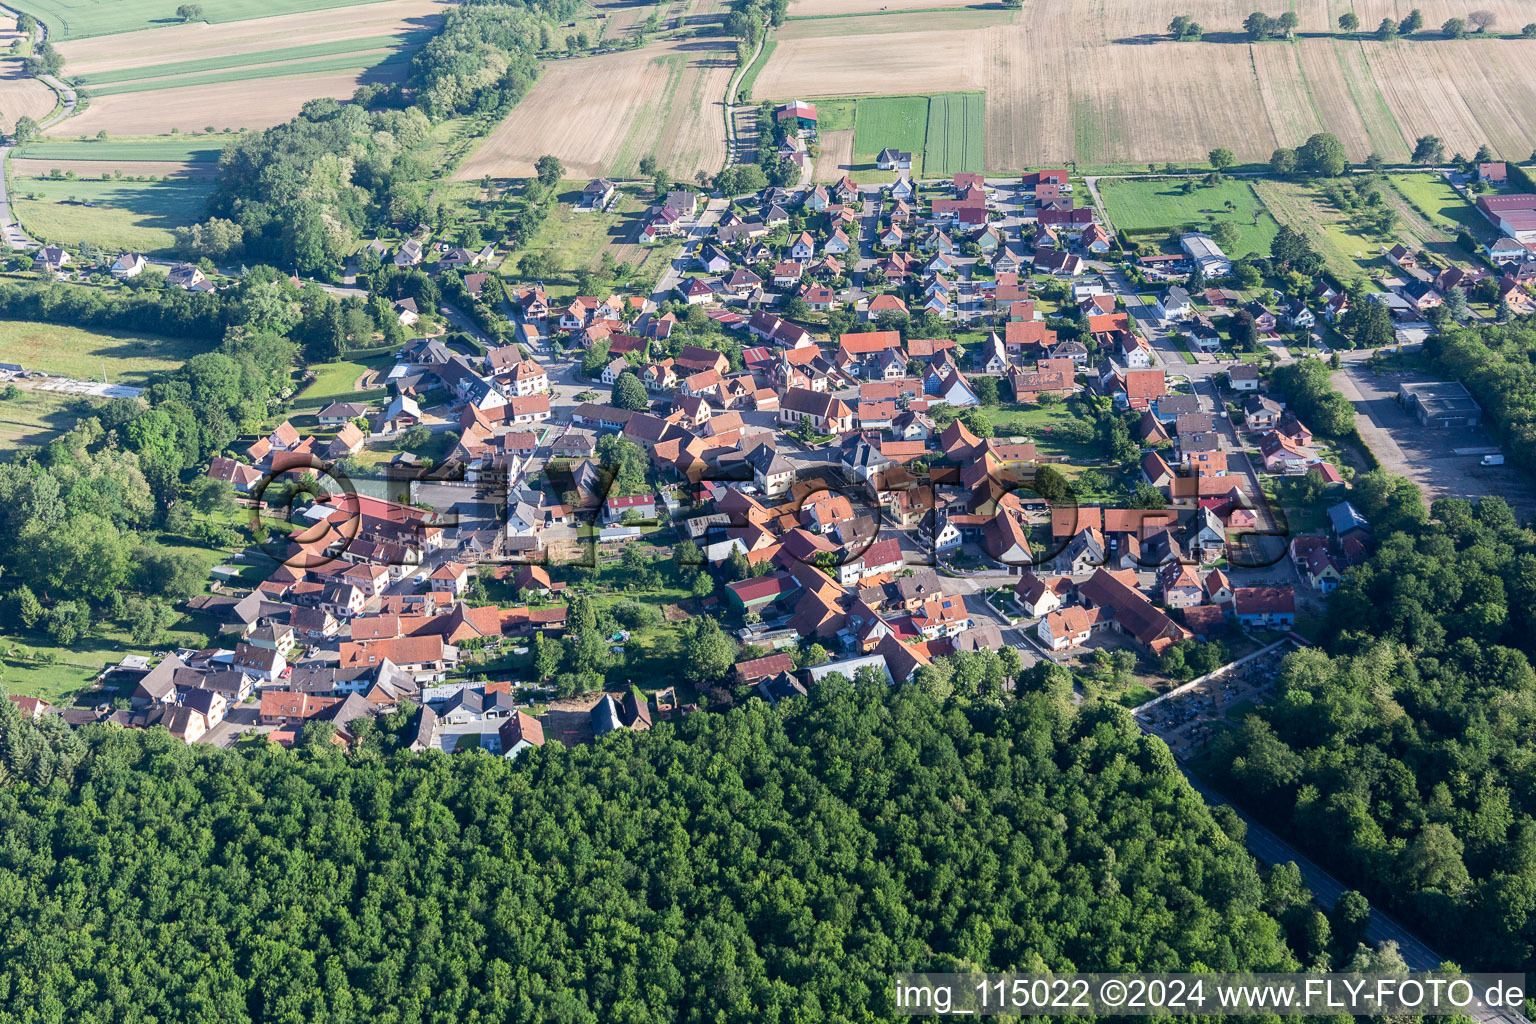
point(1444, 462)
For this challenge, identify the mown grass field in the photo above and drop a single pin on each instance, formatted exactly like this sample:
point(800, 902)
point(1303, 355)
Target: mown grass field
point(35, 418)
point(124, 214)
point(834, 115)
point(96, 82)
point(372, 59)
point(1159, 206)
point(189, 148)
point(72, 352)
point(74, 20)
point(956, 134)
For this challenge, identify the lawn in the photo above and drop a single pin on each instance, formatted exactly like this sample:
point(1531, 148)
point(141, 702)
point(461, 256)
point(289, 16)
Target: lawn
point(372, 59)
point(73, 20)
point(187, 148)
point(956, 134)
point(1158, 207)
point(126, 358)
point(1440, 204)
point(240, 60)
point(1039, 423)
point(335, 382)
point(115, 214)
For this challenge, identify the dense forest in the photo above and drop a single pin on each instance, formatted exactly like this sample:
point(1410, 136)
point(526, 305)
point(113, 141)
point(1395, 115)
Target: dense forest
point(770, 864)
point(1400, 752)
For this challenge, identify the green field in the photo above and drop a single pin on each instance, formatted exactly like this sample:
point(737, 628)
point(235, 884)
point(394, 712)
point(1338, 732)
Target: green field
point(956, 133)
point(334, 382)
point(241, 60)
point(35, 418)
point(72, 352)
point(1440, 204)
point(73, 19)
point(890, 122)
point(1158, 207)
point(373, 59)
point(125, 214)
point(835, 115)
point(189, 148)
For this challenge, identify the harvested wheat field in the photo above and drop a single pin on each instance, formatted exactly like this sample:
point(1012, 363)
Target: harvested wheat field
point(602, 115)
point(1115, 90)
point(836, 157)
point(935, 24)
point(871, 65)
point(88, 169)
point(21, 95)
point(226, 105)
point(1468, 92)
point(823, 8)
point(154, 46)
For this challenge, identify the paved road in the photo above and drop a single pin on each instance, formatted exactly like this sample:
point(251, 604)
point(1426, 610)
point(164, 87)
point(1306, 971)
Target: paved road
point(15, 236)
point(679, 267)
point(1271, 849)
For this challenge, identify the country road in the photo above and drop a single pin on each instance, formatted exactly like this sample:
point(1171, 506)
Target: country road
point(1271, 849)
point(15, 235)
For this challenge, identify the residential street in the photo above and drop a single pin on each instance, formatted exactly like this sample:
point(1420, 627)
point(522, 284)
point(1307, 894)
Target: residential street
point(679, 268)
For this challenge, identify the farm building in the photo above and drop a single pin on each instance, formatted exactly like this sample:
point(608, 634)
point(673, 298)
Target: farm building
point(804, 114)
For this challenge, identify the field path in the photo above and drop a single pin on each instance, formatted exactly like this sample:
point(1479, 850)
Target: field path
point(15, 236)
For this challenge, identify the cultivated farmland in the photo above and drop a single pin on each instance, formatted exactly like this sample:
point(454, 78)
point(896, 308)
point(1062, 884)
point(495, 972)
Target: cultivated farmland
point(603, 114)
point(836, 8)
point(21, 95)
point(1149, 99)
point(73, 20)
point(180, 149)
point(956, 131)
point(842, 65)
point(264, 36)
point(227, 105)
point(198, 68)
point(836, 158)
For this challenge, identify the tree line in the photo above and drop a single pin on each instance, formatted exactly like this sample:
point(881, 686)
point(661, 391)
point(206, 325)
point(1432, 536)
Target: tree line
point(1259, 27)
